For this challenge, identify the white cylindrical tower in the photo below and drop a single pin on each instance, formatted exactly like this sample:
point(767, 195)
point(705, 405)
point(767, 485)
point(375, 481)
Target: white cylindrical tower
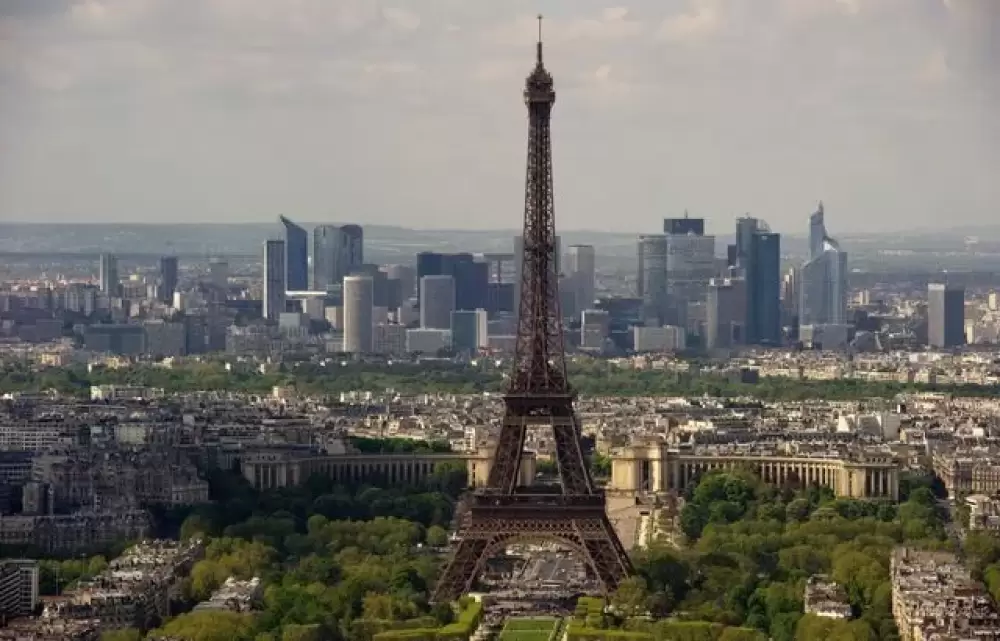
point(359, 296)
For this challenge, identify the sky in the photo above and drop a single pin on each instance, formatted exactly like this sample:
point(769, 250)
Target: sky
point(409, 112)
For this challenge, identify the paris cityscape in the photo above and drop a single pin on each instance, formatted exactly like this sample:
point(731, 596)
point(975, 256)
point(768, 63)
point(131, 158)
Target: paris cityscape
point(343, 431)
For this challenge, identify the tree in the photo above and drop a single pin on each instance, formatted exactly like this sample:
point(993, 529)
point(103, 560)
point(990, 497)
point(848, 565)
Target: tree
point(631, 597)
point(295, 632)
point(437, 536)
point(209, 626)
point(195, 526)
point(798, 510)
point(125, 634)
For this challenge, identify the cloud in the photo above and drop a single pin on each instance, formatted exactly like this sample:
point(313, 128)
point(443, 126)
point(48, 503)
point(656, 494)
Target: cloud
point(171, 109)
point(703, 19)
point(935, 68)
point(401, 19)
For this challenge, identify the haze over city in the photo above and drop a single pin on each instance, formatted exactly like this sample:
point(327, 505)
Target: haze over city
point(409, 113)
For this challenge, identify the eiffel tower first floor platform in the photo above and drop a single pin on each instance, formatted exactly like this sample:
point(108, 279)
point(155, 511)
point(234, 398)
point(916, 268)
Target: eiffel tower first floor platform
point(494, 521)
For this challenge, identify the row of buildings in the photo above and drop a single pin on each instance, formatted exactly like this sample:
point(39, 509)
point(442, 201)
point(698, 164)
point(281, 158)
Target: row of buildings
point(139, 589)
point(934, 598)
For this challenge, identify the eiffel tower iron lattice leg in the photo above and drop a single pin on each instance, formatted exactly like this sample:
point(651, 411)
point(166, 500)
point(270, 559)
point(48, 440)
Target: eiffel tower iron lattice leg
point(579, 523)
point(539, 396)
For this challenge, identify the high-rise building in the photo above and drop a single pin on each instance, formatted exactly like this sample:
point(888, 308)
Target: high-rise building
point(581, 275)
point(437, 301)
point(389, 339)
point(758, 257)
point(595, 328)
point(658, 339)
point(337, 251)
point(471, 276)
point(274, 279)
point(407, 277)
point(218, 274)
point(791, 296)
point(108, 276)
point(427, 341)
point(18, 588)
point(168, 278)
point(684, 226)
point(690, 264)
point(296, 256)
point(359, 295)
point(823, 278)
point(380, 282)
point(469, 330)
point(652, 276)
point(120, 339)
point(726, 313)
point(945, 315)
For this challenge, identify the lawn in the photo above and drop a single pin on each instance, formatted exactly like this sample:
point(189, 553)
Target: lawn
point(534, 629)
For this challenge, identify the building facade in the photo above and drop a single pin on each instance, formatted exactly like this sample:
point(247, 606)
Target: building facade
point(725, 313)
point(296, 256)
point(168, 278)
point(358, 314)
point(822, 283)
point(274, 279)
point(437, 301)
point(337, 251)
point(758, 257)
point(108, 278)
point(267, 470)
point(651, 276)
point(690, 265)
point(658, 469)
point(581, 278)
point(469, 330)
point(945, 315)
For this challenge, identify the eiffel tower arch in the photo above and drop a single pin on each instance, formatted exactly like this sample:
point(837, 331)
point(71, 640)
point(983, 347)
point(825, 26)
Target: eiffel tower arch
point(539, 396)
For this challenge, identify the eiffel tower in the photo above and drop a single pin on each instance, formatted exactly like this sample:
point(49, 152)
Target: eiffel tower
point(539, 395)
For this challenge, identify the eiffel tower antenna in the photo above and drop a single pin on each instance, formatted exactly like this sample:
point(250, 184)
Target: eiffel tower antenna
point(539, 395)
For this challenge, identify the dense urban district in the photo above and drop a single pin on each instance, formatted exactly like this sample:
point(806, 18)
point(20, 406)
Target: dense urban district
point(133, 513)
point(755, 441)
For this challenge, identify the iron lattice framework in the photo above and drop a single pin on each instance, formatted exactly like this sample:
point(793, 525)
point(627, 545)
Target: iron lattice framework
point(539, 394)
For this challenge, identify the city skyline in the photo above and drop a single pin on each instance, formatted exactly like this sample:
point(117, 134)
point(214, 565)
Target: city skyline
point(274, 118)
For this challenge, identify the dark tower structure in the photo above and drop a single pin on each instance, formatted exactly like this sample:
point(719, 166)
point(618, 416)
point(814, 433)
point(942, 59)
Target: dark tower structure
point(539, 395)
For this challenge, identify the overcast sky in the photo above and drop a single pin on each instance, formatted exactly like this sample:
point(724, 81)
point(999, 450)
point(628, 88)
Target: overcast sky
point(409, 112)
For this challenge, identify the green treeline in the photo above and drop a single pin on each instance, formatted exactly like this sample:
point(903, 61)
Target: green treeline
point(750, 548)
point(590, 378)
point(339, 563)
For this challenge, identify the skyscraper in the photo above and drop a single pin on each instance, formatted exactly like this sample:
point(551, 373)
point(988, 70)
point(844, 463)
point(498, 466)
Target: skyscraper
point(297, 255)
point(218, 274)
point(274, 279)
point(726, 312)
point(581, 274)
point(168, 278)
point(407, 277)
point(437, 301)
point(684, 226)
point(336, 252)
point(823, 278)
point(471, 277)
point(945, 315)
point(690, 265)
point(652, 276)
point(469, 330)
point(758, 257)
point(359, 294)
point(108, 276)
